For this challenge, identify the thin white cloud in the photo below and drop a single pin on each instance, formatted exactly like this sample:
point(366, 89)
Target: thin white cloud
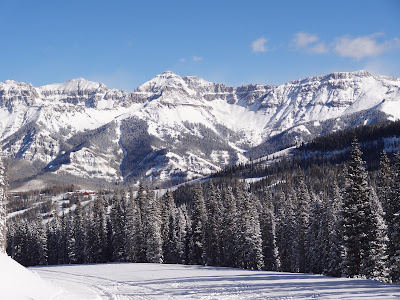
point(197, 58)
point(363, 46)
point(304, 39)
point(319, 48)
point(259, 45)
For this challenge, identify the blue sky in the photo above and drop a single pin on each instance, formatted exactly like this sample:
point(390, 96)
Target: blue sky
point(125, 43)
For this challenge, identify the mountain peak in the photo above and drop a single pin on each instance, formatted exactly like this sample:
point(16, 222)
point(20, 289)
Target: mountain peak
point(74, 85)
point(166, 79)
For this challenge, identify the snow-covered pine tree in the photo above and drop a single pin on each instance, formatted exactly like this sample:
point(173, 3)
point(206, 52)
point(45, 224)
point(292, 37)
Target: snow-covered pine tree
point(39, 240)
point(199, 219)
point(393, 222)
point(165, 213)
point(3, 202)
point(268, 233)
point(375, 265)
point(152, 229)
point(334, 255)
point(169, 230)
point(385, 185)
point(183, 234)
point(317, 236)
point(212, 230)
point(139, 242)
point(250, 244)
point(285, 233)
point(230, 230)
point(79, 234)
point(131, 215)
point(117, 218)
point(360, 226)
point(302, 217)
point(99, 247)
point(53, 239)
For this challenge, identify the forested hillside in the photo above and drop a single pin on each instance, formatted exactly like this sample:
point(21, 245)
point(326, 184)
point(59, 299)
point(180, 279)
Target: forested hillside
point(324, 219)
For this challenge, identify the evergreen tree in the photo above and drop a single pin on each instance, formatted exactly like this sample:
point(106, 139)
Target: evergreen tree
point(375, 265)
point(39, 240)
point(361, 224)
point(302, 213)
point(78, 256)
point(230, 232)
point(250, 243)
point(334, 255)
point(139, 241)
point(315, 236)
point(212, 229)
point(393, 222)
point(199, 219)
point(152, 229)
point(131, 216)
point(170, 227)
point(385, 185)
point(286, 237)
point(183, 234)
point(117, 218)
point(268, 233)
point(99, 230)
point(53, 239)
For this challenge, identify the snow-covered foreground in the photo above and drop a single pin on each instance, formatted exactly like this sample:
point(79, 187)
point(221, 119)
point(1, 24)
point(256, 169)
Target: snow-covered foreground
point(155, 281)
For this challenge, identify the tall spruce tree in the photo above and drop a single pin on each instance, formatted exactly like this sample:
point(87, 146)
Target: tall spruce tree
point(117, 218)
point(152, 229)
point(361, 223)
point(78, 234)
point(334, 255)
point(230, 232)
point(393, 221)
point(268, 233)
point(302, 218)
point(212, 231)
point(199, 219)
point(250, 244)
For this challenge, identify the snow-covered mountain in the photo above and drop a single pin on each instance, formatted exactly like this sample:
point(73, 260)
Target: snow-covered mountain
point(175, 128)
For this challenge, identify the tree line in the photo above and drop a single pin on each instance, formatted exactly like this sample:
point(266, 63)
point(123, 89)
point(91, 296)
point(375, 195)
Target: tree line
point(347, 225)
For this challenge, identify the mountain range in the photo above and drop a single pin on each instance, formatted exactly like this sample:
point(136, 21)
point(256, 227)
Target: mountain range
point(171, 128)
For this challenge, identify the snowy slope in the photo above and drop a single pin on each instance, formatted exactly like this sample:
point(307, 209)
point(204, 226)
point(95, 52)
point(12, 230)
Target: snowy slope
point(19, 283)
point(157, 281)
point(183, 127)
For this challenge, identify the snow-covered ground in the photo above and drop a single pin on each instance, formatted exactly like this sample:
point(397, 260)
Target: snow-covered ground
point(156, 281)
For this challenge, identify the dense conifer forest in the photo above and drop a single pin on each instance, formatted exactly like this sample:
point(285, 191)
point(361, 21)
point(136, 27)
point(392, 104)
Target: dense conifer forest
point(337, 219)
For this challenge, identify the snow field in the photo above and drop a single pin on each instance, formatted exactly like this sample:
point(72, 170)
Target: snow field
point(160, 281)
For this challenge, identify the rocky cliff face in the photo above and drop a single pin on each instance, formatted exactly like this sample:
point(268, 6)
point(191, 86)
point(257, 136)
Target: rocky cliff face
point(175, 128)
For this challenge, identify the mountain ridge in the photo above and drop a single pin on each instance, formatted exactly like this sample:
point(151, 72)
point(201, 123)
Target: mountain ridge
point(175, 128)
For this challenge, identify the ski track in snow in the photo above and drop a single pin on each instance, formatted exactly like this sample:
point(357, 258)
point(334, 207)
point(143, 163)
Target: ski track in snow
point(122, 281)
